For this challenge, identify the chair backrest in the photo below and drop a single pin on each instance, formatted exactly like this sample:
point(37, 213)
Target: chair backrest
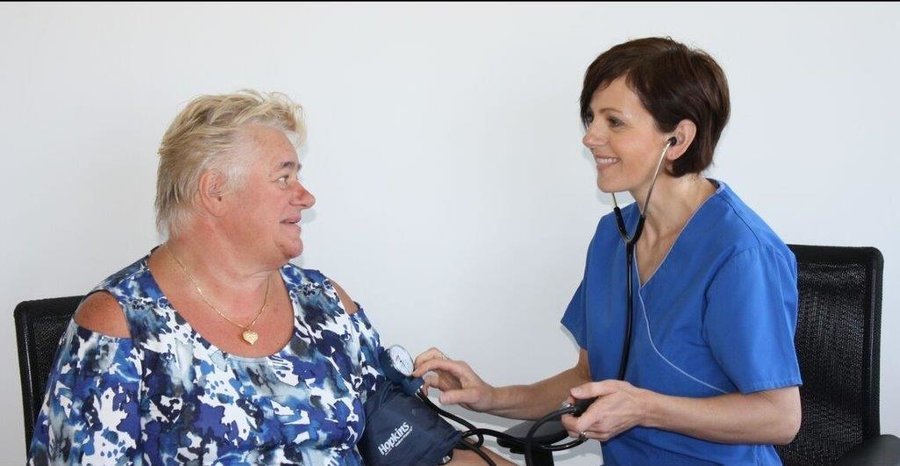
point(39, 326)
point(838, 340)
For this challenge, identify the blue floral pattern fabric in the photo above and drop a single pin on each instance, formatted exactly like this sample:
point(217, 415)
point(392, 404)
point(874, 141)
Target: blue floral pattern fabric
point(167, 396)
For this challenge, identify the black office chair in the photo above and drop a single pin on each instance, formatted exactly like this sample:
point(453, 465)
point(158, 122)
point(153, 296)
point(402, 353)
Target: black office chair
point(838, 344)
point(39, 326)
point(838, 347)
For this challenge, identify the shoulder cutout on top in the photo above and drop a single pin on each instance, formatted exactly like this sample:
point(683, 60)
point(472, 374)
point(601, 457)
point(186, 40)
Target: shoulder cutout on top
point(101, 313)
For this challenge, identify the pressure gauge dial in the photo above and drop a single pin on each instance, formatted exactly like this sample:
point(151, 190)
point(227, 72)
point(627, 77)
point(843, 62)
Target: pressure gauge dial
point(401, 361)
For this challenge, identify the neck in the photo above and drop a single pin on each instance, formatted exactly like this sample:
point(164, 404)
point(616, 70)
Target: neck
point(673, 202)
point(228, 279)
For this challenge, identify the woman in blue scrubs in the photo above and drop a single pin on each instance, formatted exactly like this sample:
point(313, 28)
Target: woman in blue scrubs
point(711, 373)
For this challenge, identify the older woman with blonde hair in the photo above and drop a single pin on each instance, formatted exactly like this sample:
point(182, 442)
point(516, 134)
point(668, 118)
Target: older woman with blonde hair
point(214, 348)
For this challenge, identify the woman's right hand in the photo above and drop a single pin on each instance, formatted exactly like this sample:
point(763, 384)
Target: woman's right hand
point(458, 383)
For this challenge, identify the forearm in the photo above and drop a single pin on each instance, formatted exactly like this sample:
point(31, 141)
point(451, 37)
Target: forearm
point(535, 400)
point(463, 457)
point(769, 417)
point(459, 384)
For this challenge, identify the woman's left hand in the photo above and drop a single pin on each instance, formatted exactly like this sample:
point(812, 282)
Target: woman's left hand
point(619, 407)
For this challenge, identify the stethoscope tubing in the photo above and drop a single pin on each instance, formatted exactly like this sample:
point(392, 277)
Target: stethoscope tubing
point(630, 242)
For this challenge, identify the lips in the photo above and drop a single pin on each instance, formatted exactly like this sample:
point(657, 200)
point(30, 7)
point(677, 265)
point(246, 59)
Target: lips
point(292, 222)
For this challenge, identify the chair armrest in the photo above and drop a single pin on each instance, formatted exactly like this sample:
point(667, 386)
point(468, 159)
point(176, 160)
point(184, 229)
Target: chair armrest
point(883, 450)
point(548, 433)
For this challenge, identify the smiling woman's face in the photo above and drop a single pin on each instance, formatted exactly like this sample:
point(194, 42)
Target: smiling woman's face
point(624, 139)
point(263, 214)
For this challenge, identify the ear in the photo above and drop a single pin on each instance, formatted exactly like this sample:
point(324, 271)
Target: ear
point(211, 190)
point(684, 134)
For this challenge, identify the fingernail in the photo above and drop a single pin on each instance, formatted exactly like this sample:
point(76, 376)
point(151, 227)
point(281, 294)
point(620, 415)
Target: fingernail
point(576, 391)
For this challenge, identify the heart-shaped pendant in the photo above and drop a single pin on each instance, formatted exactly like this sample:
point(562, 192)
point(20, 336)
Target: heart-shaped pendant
point(250, 336)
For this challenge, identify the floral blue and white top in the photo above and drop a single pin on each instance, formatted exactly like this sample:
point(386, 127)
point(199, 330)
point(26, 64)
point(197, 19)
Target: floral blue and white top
point(167, 396)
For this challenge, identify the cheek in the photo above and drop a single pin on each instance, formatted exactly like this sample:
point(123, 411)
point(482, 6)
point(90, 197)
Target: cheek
point(638, 152)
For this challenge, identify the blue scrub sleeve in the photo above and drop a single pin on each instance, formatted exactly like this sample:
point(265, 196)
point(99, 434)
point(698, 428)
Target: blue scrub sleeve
point(90, 413)
point(751, 319)
point(575, 315)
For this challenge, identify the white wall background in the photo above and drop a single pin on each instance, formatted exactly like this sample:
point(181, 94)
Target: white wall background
point(455, 201)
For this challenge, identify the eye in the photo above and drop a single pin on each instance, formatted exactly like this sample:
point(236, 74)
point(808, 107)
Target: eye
point(614, 122)
point(283, 181)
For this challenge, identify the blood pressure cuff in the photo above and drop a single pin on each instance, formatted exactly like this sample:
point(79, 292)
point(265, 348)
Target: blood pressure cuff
point(401, 430)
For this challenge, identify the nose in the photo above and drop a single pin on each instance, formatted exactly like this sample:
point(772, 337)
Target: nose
point(302, 197)
point(593, 137)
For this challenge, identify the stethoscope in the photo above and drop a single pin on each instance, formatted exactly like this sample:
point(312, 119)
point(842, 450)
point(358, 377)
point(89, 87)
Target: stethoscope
point(630, 242)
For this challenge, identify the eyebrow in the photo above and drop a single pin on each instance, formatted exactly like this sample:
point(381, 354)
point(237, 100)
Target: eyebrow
point(288, 165)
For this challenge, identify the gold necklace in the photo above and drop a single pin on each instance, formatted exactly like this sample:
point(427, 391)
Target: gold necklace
point(247, 334)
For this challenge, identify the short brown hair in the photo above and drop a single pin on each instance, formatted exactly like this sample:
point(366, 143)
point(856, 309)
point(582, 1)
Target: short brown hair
point(674, 83)
point(206, 135)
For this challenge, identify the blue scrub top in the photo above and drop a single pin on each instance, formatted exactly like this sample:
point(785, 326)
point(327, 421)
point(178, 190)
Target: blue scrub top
point(718, 316)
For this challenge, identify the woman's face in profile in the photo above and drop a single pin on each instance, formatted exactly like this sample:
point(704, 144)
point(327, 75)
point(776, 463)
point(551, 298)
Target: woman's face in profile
point(264, 215)
point(623, 137)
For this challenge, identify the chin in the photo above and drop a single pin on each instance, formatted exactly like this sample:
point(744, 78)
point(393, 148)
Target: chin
point(292, 251)
point(605, 187)
point(613, 184)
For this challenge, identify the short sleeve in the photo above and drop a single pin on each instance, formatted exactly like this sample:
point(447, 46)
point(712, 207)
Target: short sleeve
point(751, 319)
point(370, 349)
point(90, 413)
point(575, 316)
point(575, 319)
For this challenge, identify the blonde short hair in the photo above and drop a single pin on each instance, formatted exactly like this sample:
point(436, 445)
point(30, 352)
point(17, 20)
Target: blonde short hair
point(206, 135)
